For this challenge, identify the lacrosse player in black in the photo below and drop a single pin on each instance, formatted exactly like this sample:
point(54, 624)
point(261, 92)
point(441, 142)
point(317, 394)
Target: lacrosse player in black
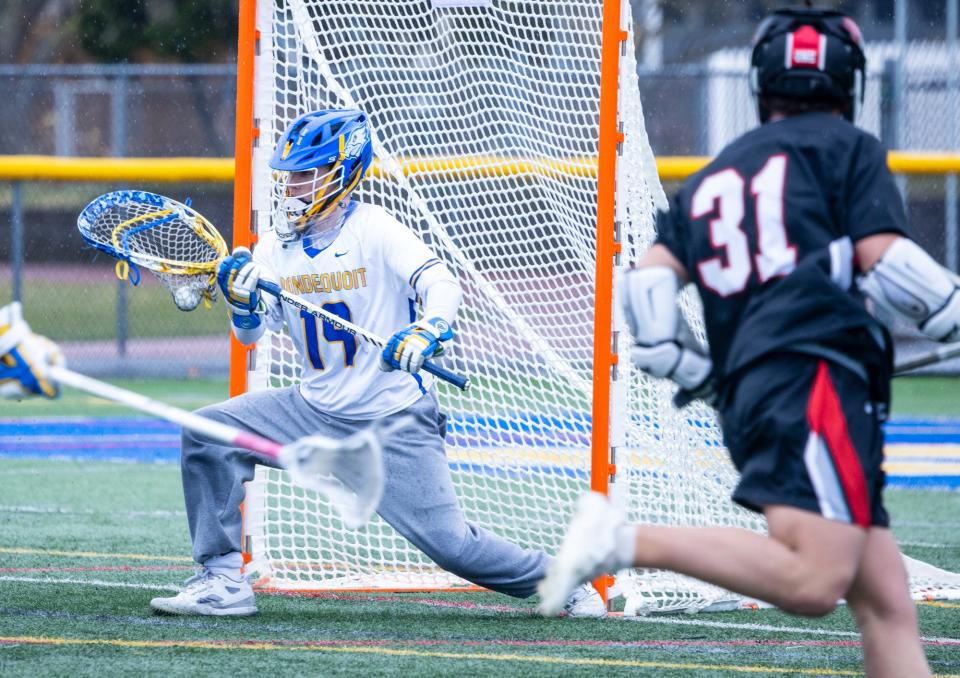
point(784, 235)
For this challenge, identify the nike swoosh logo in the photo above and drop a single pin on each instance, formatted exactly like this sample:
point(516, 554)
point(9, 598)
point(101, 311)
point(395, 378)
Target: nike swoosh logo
point(340, 254)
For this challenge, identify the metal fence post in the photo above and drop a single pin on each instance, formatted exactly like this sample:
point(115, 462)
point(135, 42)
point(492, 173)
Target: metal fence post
point(16, 244)
point(950, 181)
point(900, 15)
point(118, 133)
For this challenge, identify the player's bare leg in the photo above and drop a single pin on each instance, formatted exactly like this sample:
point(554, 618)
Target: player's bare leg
point(805, 566)
point(885, 614)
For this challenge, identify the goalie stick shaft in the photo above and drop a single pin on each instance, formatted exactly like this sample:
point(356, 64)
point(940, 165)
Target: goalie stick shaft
point(188, 420)
point(941, 354)
point(937, 355)
point(461, 382)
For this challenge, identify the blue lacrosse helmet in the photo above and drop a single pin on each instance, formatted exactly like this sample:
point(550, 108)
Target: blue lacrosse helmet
point(318, 161)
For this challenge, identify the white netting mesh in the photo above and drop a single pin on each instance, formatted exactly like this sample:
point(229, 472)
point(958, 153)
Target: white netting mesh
point(486, 136)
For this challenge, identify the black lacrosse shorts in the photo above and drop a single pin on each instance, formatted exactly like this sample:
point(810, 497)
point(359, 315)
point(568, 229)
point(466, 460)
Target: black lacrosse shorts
point(804, 432)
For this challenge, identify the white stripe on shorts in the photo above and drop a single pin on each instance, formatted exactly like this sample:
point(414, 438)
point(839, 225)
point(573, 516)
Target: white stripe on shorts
point(826, 483)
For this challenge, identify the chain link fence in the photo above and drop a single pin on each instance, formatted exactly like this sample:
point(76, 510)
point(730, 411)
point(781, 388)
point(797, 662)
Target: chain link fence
point(107, 327)
point(110, 329)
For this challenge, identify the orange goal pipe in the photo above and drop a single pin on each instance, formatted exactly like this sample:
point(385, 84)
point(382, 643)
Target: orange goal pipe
point(604, 358)
point(246, 133)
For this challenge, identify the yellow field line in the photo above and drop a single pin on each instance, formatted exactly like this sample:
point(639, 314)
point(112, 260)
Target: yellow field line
point(945, 451)
point(940, 603)
point(535, 659)
point(92, 554)
point(907, 468)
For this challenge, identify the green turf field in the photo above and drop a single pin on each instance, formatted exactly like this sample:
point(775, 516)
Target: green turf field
point(84, 547)
point(188, 395)
point(926, 396)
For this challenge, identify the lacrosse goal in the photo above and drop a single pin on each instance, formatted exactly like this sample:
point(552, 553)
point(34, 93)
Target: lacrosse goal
point(509, 135)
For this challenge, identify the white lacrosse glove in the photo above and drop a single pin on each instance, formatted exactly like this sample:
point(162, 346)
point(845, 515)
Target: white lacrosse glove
point(410, 347)
point(24, 357)
point(237, 277)
point(908, 283)
point(664, 346)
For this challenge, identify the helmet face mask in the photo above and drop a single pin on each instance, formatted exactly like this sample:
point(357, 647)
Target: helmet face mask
point(304, 198)
point(317, 163)
point(813, 57)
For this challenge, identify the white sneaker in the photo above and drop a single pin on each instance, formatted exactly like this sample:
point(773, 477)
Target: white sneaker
point(207, 593)
point(585, 602)
point(588, 550)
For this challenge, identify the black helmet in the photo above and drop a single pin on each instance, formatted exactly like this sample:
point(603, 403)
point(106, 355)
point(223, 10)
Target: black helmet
point(809, 55)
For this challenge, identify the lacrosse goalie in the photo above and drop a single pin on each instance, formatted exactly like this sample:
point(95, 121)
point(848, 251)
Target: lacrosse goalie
point(359, 262)
point(24, 357)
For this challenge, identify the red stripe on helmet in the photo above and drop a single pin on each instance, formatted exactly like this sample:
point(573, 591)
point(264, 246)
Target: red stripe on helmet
point(806, 48)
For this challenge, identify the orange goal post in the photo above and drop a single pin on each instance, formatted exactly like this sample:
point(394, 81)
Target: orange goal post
point(509, 135)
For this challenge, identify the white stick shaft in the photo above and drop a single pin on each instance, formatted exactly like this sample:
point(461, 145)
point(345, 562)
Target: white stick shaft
point(335, 320)
point(188, 420)
point(461, 382)
point(938, 355)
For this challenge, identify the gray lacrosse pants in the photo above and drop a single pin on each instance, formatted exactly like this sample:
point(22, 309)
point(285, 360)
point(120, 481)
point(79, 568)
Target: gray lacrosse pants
point(418, 499)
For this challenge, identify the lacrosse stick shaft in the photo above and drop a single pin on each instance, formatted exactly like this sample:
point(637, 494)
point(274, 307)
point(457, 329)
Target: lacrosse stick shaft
point(938, 355)
point(461, 382)
point(188, 420)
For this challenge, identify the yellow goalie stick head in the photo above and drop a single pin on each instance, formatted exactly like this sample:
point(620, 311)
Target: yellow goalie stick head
point(160, 234)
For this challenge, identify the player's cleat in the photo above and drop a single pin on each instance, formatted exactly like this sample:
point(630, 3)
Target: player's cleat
point(588, 550)
point(207, 593)
point(585, 602)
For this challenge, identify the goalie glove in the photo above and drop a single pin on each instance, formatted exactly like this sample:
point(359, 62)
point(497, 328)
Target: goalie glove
point(664, 346)
point(907, 283)
point(237, 277)
point(24, 357)
point(410, 347)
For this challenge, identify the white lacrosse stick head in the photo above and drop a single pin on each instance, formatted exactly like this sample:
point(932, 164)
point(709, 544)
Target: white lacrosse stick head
point(348, 471)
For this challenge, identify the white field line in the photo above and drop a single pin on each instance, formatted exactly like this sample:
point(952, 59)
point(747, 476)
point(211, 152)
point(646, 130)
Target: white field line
point(91, 512)
point(649, 620)
point(928, 545)
point(769, 628)
point(924, 523)
point(92, 582)
point(50, 469)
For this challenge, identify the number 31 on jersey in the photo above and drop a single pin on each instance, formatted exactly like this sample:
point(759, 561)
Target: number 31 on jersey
point(724, 194)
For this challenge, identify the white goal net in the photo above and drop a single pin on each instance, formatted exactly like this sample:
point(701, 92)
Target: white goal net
point(486, 137)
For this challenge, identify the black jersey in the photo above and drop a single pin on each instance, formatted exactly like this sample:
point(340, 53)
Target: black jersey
point(753, 230)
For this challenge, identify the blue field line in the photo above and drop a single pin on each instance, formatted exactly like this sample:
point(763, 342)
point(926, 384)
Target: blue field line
point(128, 439)
point(924, 482)
point(151, 440)
point(923, 431)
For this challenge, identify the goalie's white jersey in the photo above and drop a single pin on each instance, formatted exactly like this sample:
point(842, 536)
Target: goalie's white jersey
point(368, 275)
